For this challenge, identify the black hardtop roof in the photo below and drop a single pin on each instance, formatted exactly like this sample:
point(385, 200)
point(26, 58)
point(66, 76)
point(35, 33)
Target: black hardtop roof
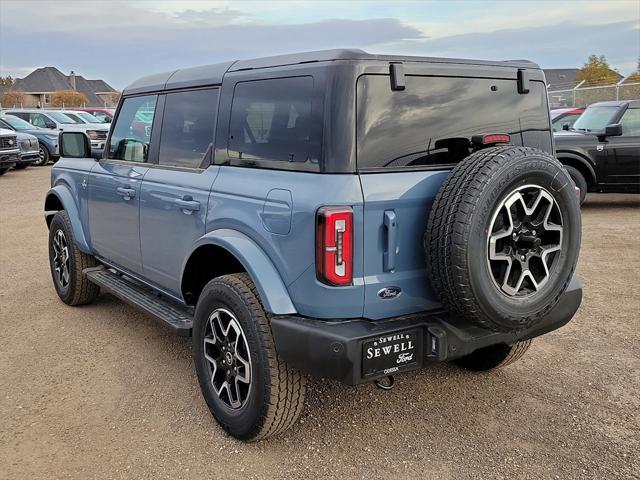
point(617, 103)
point(213, 74)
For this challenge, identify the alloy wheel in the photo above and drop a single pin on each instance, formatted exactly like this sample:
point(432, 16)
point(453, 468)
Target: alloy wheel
point(61, 258)
point(525, 241)
point(228, 358)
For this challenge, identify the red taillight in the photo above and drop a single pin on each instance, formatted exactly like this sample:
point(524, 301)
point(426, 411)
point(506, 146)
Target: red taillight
point(495, 138)
point(334, 245)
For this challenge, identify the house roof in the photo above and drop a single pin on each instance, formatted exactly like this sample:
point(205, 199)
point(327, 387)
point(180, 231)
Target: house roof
point(567, 78)
point(561, 78)
point(50, 79)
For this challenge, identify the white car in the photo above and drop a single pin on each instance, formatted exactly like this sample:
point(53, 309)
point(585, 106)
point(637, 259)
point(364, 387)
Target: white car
point(55, 119)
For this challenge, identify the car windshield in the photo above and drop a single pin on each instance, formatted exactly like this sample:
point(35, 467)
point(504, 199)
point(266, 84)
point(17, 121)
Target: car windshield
point(88, 117)
point(75, 117)
point(62, 118)
point(595, 119)
point(18, 123)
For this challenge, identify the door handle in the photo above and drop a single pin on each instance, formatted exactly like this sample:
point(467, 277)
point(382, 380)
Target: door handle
point(187, 204)
point(391, 226)
point(126, 193)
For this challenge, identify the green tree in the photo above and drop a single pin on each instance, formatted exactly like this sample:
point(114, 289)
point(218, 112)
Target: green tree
point(597, 71)
point(6, 81)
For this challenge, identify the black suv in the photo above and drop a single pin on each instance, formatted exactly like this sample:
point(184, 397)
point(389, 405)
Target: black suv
point(602, 149)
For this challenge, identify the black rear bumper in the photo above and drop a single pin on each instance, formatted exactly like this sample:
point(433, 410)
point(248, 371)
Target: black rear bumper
point(334, 349)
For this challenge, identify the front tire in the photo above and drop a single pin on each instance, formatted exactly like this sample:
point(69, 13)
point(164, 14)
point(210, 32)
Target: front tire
point(67, 263)
point(20, 166)
point(4, 170)
point(579, 180)
point(494, 356)
point(44, 156)
point(249, 389)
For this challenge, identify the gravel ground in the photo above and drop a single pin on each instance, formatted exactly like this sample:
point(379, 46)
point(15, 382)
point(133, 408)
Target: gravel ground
point(104, 392)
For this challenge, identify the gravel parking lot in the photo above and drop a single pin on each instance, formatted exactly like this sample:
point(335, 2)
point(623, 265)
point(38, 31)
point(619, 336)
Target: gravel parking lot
point(104, 392)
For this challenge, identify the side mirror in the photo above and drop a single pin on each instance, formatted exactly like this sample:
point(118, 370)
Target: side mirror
point(74, 145)
point(50, 125)
point(613, 130)
point(565, 127)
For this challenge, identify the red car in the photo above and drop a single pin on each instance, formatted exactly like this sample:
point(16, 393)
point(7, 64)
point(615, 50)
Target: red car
point(564, 116)
point(105, 115)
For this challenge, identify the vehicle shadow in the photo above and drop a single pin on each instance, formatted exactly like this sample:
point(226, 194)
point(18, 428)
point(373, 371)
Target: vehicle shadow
point(612, 200)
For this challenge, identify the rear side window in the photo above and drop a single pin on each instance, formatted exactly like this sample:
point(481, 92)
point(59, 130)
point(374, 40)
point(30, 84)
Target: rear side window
point(431, 122)
point(132, 131)
point(271, 121)
point(187, 128)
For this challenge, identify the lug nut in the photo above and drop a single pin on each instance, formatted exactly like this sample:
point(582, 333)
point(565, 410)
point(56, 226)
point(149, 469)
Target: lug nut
point(522, 257)
point(533, 232)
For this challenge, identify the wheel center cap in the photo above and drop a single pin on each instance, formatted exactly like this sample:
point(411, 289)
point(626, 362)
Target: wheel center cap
point(228, 358)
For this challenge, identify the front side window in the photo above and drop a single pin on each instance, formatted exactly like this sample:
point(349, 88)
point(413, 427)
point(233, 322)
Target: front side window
point(61, 118)
point(272, 120)
point(187, 128)
point(39, 120)
point(131, 136)
point(631, 123)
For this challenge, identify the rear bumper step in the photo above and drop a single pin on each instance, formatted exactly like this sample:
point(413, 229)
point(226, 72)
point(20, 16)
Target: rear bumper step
point(178, 319)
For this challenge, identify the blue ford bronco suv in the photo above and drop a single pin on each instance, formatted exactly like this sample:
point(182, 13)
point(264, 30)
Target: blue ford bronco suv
point(336, 213)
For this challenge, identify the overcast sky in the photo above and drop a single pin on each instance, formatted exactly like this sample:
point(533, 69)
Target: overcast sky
point(120, 40)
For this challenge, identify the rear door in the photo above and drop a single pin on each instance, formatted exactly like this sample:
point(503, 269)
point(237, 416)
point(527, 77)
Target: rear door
point(407, 142)
point(175, 191)
point(114, 188)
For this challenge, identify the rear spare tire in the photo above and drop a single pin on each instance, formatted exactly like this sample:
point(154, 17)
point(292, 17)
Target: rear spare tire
point(503, 237)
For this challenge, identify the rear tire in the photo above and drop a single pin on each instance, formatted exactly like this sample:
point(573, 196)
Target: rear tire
point(4, 170)
point(67, 263)
point(264, 395)
point(579, 181)
point(494, 356)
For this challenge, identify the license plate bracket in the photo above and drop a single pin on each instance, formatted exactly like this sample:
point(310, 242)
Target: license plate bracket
point(391, 353)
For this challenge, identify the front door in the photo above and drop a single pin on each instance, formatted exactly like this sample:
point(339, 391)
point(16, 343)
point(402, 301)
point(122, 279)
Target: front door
point(623, 166)
point(175, 192)
point(114, 186)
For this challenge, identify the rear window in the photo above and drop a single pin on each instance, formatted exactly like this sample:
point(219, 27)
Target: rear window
point(271, 122)
point(431, 122)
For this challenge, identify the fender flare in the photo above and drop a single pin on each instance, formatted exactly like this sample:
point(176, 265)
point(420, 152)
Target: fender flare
point(66, 199)
point(265, 276)
point(578, 158)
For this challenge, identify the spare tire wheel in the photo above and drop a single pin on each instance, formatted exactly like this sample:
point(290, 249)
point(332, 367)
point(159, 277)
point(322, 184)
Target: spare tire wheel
point(503, 237)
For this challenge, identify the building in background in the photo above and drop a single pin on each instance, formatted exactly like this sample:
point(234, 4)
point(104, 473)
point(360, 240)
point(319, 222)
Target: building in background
point(37, 87)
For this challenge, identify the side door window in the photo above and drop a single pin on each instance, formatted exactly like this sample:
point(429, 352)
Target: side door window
point(271, 123)
point(131, 134)
point(188, 128)
point(38, 120)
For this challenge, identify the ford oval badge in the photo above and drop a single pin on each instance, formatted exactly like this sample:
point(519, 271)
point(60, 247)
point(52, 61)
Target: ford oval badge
point(389, 292)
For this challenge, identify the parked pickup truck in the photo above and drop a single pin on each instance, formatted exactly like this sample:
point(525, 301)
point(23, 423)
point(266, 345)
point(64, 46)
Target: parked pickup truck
point(9, 150)
point(334, 213)
point(601, 151)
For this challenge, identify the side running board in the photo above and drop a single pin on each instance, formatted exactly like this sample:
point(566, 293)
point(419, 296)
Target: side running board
point(180, 320)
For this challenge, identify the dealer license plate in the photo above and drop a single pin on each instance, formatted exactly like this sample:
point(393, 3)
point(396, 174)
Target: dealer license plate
point(390, 354)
